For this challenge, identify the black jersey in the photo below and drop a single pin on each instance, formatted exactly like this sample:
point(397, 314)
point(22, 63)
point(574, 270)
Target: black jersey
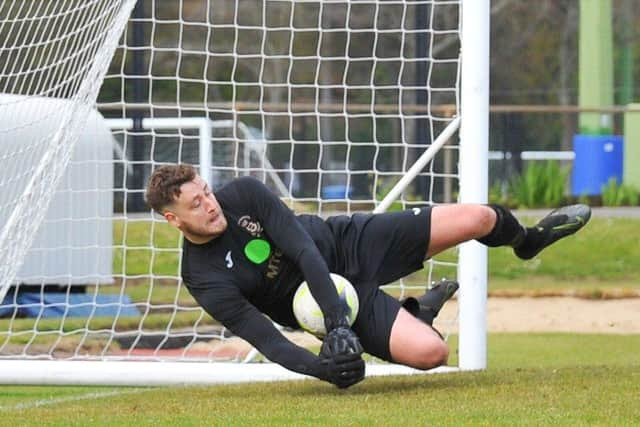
point(255, 266)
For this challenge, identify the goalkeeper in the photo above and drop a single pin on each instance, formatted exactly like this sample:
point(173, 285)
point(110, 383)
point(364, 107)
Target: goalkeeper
point(245, 253)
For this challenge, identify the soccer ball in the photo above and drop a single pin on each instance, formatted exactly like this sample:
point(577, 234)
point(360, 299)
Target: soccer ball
point(308, 313)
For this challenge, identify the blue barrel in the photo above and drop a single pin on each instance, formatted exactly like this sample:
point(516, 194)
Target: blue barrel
point(597, 159)
point(335, 192)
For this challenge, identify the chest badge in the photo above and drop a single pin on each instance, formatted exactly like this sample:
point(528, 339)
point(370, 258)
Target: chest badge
point(257, 251)
point(252, 226)
point(229, 260)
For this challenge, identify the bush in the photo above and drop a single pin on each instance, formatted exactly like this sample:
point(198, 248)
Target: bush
point(614, 194)
point(500, 193)
point(541, 185)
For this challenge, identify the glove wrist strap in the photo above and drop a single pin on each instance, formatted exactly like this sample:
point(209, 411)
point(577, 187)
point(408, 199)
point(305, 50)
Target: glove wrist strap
point(338, 316)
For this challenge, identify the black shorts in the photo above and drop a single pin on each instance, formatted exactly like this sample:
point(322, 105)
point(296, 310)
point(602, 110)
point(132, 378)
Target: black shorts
point(374, 250)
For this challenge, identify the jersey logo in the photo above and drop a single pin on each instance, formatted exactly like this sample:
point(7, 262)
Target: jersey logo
point(253, 227)
point(416, 211)
point(229, 260)
point(273, 268)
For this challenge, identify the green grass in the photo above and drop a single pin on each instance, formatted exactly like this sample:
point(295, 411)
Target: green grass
point(532, 379)
point(536, 380)
point(598, 262)
point(590, 264)
point(32, 329)
point(145, 247)
point(602, 255)
point(549, 286)
point(607, 249)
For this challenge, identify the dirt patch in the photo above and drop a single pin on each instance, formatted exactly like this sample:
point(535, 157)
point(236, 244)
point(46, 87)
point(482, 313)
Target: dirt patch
point(558, 314)
point(237, 348)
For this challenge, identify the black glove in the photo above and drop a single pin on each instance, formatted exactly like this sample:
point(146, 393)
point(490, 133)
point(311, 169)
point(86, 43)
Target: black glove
point(341, 357)
point(337, 316)
point(341, 340)
point(342, 370)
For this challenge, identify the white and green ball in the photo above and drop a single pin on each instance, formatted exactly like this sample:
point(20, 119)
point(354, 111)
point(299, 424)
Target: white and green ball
point(308, 313)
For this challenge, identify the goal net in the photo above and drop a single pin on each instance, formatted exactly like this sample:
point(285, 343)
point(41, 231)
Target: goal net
point(338, 106)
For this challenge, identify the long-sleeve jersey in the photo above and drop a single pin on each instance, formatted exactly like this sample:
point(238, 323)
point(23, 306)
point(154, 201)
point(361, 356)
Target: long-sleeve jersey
point(255, 267)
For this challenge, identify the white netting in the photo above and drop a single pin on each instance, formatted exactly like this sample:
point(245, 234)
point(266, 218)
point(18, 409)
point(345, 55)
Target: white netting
point(50, 77)
point(328, 102)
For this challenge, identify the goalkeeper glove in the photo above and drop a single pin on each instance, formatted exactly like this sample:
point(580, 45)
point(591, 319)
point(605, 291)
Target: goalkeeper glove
point(341, 340)
point(342, 370)
point(341, 356)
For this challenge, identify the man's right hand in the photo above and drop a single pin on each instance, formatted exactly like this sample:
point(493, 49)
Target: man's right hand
point(343, 370)
point(341, 356)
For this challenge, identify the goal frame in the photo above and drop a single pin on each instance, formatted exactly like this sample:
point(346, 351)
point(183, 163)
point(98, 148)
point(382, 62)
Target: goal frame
point(472, 270)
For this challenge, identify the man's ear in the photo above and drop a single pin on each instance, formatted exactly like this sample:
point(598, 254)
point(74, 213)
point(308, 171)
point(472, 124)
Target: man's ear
point(172, 218)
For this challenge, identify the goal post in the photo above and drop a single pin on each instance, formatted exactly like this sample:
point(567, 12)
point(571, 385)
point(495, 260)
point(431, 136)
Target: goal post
point(474, 178)
point(339, 107)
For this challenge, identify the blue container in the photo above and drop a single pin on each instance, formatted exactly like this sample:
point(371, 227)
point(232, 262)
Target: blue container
point(598, 158)
point(335, 192)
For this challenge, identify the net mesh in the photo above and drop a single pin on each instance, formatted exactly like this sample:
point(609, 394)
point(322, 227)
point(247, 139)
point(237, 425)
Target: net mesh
point(328, 103)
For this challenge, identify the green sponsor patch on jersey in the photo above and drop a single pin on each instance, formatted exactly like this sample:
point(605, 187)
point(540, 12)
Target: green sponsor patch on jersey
point(257, 251)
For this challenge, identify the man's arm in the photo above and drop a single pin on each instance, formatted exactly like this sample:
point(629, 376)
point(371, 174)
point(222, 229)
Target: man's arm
point(287, 233)
point(245, 321)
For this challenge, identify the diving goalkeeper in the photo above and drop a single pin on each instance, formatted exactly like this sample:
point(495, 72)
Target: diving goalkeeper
point(245, 253)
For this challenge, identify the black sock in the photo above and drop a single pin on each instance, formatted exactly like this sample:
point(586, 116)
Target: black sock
point(531, 244)
point(427, 316)
point(507, 231)
point(412, 305)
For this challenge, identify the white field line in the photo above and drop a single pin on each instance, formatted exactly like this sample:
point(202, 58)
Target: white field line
point(87, 396)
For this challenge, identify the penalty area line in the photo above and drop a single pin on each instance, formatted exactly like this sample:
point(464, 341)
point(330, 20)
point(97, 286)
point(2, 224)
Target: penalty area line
point(87, 396)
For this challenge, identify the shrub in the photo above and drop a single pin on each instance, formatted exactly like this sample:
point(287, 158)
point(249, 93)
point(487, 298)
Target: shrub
point(541, 185)
point(499, 193)
point(614, 194)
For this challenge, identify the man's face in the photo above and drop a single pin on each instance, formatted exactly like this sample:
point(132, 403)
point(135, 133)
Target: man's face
point(196, 212)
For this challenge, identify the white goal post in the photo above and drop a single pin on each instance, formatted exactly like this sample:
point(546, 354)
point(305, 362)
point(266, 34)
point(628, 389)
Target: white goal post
point(338, 106)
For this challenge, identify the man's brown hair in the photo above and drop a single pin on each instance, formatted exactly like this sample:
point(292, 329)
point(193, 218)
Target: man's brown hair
point(164, 185)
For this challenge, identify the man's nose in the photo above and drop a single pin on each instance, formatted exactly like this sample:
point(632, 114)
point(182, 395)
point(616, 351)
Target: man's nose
point(210, 205)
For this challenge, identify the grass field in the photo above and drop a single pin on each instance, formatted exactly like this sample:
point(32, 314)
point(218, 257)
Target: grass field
point(534, 379)
point(603, 254)
point(607, 250)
